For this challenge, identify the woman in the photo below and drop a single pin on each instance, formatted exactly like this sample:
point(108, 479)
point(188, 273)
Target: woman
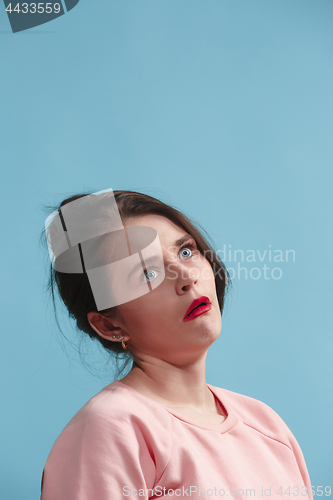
point(161, 431)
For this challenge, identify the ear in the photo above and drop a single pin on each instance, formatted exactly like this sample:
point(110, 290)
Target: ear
point(105, 327)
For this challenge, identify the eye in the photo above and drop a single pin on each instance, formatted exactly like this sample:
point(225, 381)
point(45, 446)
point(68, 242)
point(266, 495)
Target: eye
point(148, 274)
point(187, 250)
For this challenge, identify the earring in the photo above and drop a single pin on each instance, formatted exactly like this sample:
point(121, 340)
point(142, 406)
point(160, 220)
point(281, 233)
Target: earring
point(123, 343)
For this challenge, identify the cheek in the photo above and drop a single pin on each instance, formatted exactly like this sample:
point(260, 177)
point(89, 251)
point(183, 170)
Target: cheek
point(144, 311)
point(207, 273)
point(208, 278)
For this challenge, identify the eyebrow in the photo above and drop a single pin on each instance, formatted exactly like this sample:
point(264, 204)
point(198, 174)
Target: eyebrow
point(149, 260)
point(182, 240)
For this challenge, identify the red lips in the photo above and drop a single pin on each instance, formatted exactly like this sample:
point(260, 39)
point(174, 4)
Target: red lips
point(201, 300)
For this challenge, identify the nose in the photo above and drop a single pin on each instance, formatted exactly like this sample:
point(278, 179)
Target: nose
point(187, 278)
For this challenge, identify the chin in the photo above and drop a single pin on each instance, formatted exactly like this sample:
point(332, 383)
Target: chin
point(210, 334)
point(214, 325)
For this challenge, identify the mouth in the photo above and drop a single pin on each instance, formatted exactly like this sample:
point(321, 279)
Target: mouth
point(199, 306)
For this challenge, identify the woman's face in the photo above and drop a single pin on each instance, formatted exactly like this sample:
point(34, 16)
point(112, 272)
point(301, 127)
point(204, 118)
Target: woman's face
point(154, 323)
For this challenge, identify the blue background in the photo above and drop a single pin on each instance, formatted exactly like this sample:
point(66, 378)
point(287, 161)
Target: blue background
point(223, 109)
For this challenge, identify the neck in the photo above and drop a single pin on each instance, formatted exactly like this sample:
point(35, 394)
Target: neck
point(172, 385)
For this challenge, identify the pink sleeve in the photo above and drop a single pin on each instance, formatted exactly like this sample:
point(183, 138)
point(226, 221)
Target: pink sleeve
point(98, 458)
point(300, 461)
point(295, 447)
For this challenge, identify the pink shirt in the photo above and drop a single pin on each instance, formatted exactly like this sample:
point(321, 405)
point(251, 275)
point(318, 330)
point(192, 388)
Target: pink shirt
point(122, 444)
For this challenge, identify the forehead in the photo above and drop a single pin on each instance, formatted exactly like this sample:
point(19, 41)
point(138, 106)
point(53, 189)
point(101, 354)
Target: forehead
point(167, 231)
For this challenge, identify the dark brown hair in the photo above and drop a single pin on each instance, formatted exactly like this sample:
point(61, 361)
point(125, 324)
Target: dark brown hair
point(75, 291)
